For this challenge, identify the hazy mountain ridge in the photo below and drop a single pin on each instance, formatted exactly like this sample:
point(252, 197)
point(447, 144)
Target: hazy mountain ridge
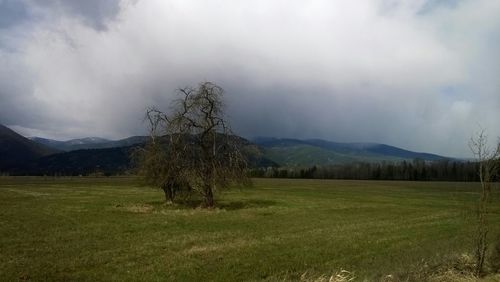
point(309, 152)
point(16, 149)
point(89, 143)
point(110, 157)
point(94, 154)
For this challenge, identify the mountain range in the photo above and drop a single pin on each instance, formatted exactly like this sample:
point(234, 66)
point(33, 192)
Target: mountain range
point(89, 143)
point(16, 150)
point(35, 155)
point(295, 152)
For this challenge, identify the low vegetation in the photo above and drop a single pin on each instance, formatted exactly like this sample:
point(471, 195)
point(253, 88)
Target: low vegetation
point(309, 230)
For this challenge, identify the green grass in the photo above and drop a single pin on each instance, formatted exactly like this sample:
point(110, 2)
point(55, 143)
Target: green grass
point(115, 229)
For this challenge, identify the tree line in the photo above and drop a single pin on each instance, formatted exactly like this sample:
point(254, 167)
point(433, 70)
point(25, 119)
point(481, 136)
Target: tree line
point(415, 170)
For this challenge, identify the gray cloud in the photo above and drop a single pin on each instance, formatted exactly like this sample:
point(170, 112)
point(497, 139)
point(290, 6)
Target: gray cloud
point(416, 74)
point(11, 13)
point(95, 13)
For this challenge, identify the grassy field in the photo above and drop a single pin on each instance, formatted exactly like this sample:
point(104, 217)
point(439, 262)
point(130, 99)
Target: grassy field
point(115, 229)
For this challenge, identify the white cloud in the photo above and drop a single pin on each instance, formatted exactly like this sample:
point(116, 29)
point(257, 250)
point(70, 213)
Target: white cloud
point(342, 70)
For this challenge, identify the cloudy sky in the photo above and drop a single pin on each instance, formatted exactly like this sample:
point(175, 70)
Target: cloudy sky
point(418, 74)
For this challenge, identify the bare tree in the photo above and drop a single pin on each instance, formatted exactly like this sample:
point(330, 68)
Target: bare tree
point(192, 145)
point(158, 160)
point(488, 161)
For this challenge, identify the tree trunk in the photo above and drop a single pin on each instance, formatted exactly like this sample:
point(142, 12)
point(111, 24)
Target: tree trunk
point(483, 225)
point(209, 197)
point(169, 195)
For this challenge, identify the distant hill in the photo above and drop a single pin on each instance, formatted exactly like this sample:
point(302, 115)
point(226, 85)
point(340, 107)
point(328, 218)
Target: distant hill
point(83, 162)
point(108, 161)
point(16, 150)
point(89, 143)
point(295, 152)
point(88, 155)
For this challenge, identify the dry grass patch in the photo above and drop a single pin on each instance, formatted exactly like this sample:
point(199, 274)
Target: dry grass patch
point(144, 208)
point(339, 276)
point(458, 269)
point(29, 193)
point(223, 246)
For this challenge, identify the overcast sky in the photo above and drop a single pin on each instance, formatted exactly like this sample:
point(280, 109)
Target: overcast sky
point(418, 74)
